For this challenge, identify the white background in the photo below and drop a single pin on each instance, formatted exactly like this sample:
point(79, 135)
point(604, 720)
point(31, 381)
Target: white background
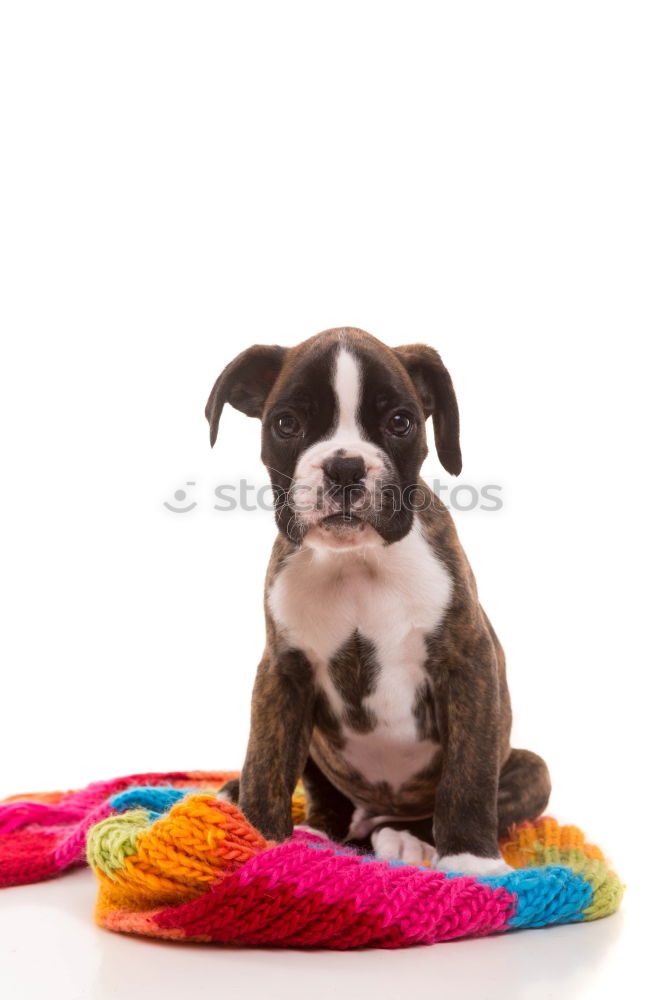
point(181, 180)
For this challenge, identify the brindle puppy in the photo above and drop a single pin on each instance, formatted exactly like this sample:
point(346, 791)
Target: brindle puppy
point(382, 683)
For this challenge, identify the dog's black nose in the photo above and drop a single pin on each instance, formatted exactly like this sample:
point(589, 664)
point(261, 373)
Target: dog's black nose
point(344, 471)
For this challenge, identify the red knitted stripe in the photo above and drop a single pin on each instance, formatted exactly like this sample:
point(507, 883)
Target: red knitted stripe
point(27, 856)
point(284, 896)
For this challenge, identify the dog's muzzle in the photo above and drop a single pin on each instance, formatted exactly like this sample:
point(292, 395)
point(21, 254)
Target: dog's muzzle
point(343, 487)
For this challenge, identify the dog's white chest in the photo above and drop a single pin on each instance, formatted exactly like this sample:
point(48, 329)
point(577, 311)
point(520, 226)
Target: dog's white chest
point(392, 597)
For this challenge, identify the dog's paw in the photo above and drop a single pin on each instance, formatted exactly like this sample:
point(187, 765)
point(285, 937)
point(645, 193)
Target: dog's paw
point(400, 845)
point(470, 864)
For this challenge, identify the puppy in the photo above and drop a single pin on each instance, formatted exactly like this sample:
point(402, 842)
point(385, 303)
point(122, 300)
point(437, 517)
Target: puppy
point(382, 683)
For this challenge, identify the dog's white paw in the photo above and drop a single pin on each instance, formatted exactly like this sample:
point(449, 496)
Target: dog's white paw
point(400, 845)
point(470, 864)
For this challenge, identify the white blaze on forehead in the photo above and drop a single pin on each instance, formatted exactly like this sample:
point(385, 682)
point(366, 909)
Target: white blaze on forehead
point(345, 437)
point(347, 388)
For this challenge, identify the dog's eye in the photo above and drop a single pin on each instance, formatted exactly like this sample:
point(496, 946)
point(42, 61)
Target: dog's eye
point(400, 424)
point(287, 425)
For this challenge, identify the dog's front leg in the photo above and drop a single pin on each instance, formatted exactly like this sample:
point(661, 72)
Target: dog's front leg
point(280, 731)
point(465, 819)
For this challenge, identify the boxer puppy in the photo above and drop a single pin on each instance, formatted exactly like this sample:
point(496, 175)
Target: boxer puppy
point(382, 683)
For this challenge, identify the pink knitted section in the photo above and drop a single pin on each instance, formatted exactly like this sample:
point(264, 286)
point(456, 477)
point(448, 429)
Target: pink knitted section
point(335, 899)
point(36, 853)
point(39, 840)
point(14, 815)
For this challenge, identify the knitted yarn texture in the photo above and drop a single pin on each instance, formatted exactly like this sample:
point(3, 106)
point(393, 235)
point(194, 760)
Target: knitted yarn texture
point(174, 861)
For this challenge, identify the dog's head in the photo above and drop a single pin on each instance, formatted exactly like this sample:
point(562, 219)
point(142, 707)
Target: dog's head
point(343, 431)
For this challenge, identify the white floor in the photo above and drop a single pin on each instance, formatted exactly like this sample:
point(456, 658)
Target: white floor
point(50, 949)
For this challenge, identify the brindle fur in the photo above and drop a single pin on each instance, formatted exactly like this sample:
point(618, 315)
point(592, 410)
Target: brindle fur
point(354, 671)
point(281, 723)
point(475, 785)
point(423, 710)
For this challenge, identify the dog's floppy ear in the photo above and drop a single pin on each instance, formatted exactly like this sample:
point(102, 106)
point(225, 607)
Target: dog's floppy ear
point(245, 383)
point(435, 390)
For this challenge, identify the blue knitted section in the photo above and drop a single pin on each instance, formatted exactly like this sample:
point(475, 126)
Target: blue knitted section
point(549, 895)
point(156, 798)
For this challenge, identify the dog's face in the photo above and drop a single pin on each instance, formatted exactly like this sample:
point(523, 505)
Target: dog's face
point(343, 431)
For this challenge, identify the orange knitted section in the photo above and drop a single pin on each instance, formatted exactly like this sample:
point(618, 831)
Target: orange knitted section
point(47, 798)
point(176, 858)
point(298, 804)
point(540, 842)
point(204, 779)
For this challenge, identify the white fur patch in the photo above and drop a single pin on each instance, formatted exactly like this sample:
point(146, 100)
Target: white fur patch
point(400, 845)
point(394, 595)
point(470, 864)
point(347, 386)
point(363, 822)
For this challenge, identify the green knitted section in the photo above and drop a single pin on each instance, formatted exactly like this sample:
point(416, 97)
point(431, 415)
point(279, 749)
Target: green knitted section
point(607, 890)
point(114, 839)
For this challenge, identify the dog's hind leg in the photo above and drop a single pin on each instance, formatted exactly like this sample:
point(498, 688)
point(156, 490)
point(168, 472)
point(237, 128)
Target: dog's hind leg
point(328, 810)
point(230, 791)
point(524, 789)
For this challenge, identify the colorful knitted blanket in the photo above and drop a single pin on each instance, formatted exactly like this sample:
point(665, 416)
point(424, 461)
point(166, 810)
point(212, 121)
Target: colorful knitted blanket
point(174, 861)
